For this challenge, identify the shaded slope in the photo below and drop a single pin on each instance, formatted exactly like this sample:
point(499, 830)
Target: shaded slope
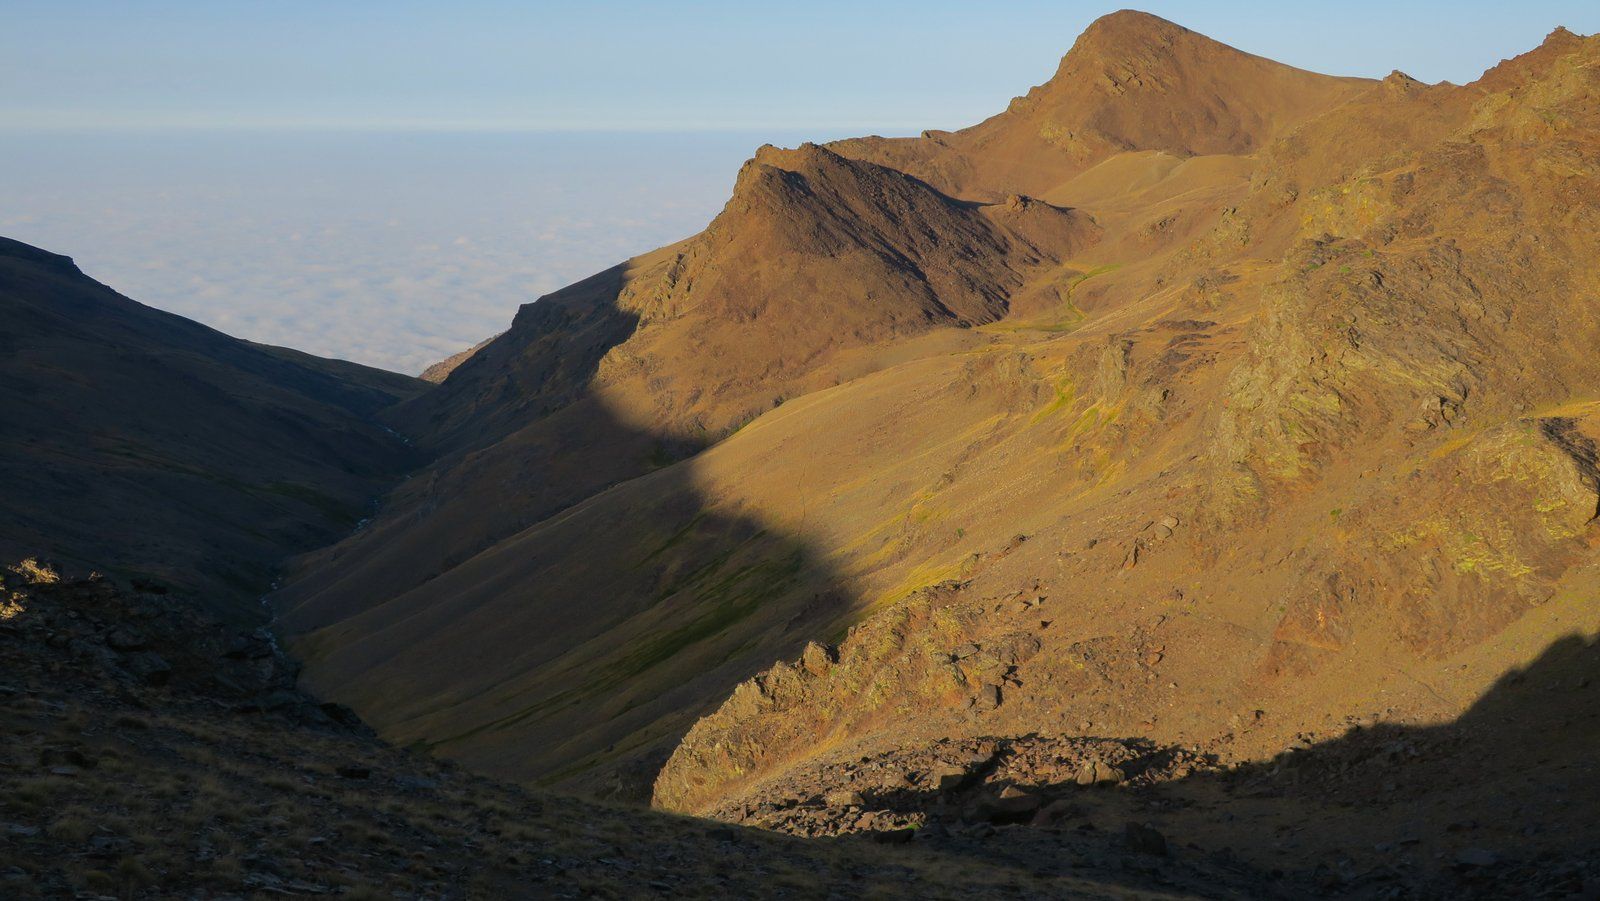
point(643, 364)
point(132, 435)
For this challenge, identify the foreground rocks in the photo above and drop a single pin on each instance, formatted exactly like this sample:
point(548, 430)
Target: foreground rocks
point(963, 786)
point(220, 780)
point(1466, 809)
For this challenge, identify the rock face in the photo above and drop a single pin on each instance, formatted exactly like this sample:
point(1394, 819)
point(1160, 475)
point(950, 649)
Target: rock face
point(138, 439)
point(441, 370)
point(910, 656)
point(142, 639)
point(1450, 809)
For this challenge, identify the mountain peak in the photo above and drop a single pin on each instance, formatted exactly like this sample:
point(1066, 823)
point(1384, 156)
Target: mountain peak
point(1128, 27)
point(1536, 63)
point(1562, 34)
point(1131, 82)
point(1134, 81)
point(1128, 43)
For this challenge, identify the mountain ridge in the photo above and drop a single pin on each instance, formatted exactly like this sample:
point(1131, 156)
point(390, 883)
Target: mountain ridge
point(1132, 81)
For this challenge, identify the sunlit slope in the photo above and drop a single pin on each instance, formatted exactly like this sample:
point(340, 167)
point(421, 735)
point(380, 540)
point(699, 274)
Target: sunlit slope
point(1276, 421)
point(1131, 82)
point(824, 280)
point(646, 363)
point(1360, 478)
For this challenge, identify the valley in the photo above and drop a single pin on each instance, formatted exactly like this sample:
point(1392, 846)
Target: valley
point(1182, 483)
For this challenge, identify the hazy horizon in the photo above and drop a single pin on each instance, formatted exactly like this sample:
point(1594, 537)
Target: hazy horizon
point(387, 183)
point(893, 65)
point(393, 250)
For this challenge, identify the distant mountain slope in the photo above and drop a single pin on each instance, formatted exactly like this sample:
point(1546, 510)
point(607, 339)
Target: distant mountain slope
point(814, 253)
point(131, 435)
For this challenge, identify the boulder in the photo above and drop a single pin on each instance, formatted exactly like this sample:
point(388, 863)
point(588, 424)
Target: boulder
point(124, 638)
point(950, 777)
point(844, 798)
point(1055, 812)
point(1012, 805)
point(148, 667)
point(1099, 772)
point(1476, 858)
point(248, 647)
point(962, 652)
point(818, 659)
point(1140, 838)
point(72, 757)
point(989, 697)
point(340, 714)
point(274, 701)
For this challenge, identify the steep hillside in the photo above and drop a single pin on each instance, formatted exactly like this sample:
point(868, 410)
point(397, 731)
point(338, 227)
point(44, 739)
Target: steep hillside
point(134, 436)
point(1353, 483)
point(814, 253)
point(816, 263)
point(1278, 411)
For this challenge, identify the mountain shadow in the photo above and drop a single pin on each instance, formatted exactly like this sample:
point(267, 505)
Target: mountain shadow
point(154, 448)
point(557, 597)
point(1497, 803)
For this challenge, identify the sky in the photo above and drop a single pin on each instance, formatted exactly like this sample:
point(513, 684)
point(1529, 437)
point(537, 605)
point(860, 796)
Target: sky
point(387, 181)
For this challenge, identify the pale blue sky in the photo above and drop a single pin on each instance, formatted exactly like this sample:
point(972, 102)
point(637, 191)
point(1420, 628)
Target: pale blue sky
point(895, 66)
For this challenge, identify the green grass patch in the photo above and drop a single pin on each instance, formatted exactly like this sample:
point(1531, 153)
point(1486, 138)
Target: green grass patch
point(1066, 393)
point(715, 597)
